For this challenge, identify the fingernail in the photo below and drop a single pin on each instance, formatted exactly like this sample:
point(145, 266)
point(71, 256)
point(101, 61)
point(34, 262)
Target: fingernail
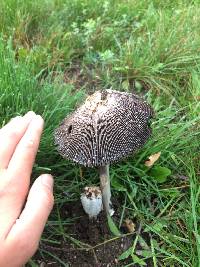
point(47, 180)
point(37, 121)
point(15, 118)
point(29, 115)
point(39, 118)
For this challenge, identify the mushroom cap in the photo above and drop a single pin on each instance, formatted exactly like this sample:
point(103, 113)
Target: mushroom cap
point(109, 126)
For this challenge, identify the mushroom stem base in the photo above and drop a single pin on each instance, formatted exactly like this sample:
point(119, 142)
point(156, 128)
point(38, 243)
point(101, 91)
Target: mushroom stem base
point(105, 189)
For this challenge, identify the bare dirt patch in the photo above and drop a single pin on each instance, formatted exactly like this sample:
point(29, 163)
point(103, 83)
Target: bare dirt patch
point(97, 247)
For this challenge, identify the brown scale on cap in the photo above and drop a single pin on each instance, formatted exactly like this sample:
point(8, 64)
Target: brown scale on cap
point(109, 126)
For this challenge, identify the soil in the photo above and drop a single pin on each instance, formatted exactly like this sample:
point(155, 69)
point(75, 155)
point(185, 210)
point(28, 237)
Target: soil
point(100, 247)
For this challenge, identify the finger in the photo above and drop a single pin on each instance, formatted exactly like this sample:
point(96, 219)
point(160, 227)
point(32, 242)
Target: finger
point(14, 188)
point(21, 163)
point(26, 232)
point(10, 136)
point(29, 227)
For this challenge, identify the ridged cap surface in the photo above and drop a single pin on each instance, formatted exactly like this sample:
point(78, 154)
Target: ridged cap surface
point(109, 126)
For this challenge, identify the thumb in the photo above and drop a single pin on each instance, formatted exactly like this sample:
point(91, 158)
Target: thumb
point(29, 227)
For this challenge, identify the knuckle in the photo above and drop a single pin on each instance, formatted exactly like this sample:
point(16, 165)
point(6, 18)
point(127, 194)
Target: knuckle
point(13, 134)
point(9, 187)
point(3, 191)
point(5, 188)
point(28, 144)
point(11, 190)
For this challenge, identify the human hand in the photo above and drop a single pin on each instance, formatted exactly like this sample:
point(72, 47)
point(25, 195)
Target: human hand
point(21, 226)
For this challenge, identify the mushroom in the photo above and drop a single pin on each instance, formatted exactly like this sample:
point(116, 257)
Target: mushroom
point(109, 126)
point(91, 200)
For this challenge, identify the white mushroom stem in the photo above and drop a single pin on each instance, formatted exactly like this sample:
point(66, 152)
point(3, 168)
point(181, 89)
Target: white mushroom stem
point(105, 189)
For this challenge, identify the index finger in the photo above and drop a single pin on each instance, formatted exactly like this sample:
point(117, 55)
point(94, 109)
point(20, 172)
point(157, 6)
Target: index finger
point(22, 161)
point(16, 180)
point(10, 136)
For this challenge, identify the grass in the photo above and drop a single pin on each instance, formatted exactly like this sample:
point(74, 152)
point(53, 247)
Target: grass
point(52, 53)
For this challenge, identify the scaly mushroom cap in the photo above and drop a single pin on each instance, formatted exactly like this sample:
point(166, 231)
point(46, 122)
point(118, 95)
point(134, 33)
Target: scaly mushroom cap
point(110, 125)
